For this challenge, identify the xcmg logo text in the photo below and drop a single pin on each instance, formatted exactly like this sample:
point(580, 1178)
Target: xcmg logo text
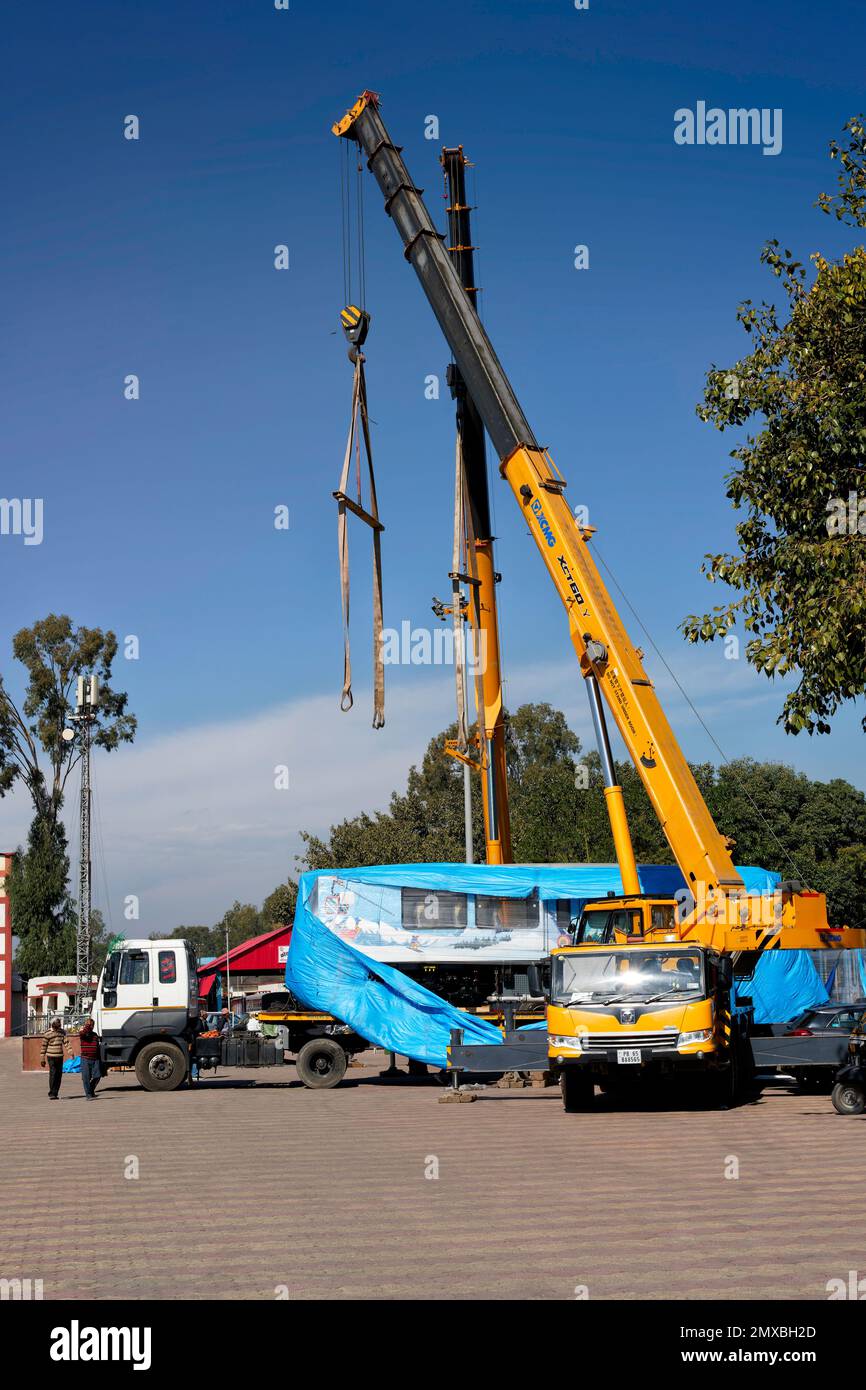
point(543, 523)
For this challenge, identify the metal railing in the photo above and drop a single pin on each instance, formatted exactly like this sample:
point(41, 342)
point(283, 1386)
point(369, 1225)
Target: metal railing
point(41, 1023)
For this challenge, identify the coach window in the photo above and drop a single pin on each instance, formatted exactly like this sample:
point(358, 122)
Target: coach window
point(507, 914)
point(426, 909)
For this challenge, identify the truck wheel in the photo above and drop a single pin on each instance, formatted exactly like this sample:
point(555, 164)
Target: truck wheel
point(736, 1084)
point(161, 1066)
point(849, 1098)
point(578, 1091)
point(321, 1063)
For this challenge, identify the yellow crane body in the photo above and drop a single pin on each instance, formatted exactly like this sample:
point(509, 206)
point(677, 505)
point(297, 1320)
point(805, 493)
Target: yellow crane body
point(716, 912)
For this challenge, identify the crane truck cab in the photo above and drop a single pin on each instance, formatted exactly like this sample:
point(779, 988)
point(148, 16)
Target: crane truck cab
point(625, 918)
point(625, 1012)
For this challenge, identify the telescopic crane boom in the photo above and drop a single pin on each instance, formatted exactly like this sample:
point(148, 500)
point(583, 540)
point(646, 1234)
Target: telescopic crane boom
point(482, 609)
point(719, 912)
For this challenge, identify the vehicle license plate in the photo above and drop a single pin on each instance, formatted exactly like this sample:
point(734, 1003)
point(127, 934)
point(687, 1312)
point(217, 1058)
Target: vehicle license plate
point(629, 1055)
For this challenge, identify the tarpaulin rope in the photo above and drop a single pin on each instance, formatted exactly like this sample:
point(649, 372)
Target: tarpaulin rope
point(359, 428)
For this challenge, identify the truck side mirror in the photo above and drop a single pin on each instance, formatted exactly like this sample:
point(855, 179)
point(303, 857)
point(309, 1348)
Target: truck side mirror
point(726, 972)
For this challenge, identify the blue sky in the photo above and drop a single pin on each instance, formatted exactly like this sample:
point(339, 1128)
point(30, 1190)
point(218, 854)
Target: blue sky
point(156, 257)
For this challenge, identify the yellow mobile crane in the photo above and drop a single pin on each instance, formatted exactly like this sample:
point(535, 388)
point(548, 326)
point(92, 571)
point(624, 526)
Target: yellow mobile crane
point(690, 947)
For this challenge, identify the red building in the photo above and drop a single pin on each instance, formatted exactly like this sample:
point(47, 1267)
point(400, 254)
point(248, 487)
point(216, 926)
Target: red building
point(254, 966)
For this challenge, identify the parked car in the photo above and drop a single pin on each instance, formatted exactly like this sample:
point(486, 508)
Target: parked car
point(829, 1022)
point(827, 1019)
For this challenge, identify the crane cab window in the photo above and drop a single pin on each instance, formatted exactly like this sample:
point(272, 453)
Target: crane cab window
point(663, 917)
point(601, 924)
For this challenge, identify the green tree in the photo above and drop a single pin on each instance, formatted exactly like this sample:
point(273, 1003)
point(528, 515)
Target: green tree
point(799, 573)
point(591, 839)
point(32, 750)
point(541, 753)
point(42, 911)
point(54, 655)
point(278, 908)
point(242, 921)
point(807, 830)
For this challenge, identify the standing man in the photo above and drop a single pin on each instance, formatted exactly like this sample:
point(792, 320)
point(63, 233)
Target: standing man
point(54, 1047)
point(90, 1073)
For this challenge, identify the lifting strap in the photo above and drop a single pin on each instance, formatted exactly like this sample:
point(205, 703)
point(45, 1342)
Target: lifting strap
point(359, 427)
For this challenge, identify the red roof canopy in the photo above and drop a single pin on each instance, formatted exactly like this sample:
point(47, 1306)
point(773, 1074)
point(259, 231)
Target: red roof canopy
point(259, 953)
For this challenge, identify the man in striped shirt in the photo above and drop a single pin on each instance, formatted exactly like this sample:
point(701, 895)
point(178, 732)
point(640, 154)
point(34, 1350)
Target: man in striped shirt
point(55, 1047)
point(89, 1040)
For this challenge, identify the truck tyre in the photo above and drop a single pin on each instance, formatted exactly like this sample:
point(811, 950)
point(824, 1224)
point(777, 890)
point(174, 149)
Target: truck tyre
point(161, 1066)
point(849, 1098)
point(578, 1090)
point(321, 1063)
point(736, 1083)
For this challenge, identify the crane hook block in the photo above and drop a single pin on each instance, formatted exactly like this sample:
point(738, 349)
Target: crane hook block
point(356, 324)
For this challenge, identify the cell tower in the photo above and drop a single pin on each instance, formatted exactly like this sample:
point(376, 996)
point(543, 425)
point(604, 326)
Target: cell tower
point(84, 717)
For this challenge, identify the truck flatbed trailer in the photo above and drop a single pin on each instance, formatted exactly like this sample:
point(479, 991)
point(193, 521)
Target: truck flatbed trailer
point(319, 1045)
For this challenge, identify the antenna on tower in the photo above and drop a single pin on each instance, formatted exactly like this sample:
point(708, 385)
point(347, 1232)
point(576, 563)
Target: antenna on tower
point(87, 699)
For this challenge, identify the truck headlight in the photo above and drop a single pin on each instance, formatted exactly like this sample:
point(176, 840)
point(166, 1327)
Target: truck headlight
point(556, 1043)
point(703, 1035)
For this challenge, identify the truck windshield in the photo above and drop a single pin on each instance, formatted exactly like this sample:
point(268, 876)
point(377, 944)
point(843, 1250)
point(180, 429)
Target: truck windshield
point(605, 977)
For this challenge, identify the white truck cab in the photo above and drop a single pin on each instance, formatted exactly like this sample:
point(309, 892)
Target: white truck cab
point(146, 1009)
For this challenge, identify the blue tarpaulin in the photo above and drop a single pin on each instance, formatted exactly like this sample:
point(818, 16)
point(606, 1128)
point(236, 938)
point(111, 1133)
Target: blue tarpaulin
point(388, 1008)
point(382, 1004)
point(550, 881)
point(784, 985)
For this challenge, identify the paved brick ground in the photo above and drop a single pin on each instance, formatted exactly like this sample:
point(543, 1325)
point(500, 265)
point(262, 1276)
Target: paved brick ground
point(247, 1186)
